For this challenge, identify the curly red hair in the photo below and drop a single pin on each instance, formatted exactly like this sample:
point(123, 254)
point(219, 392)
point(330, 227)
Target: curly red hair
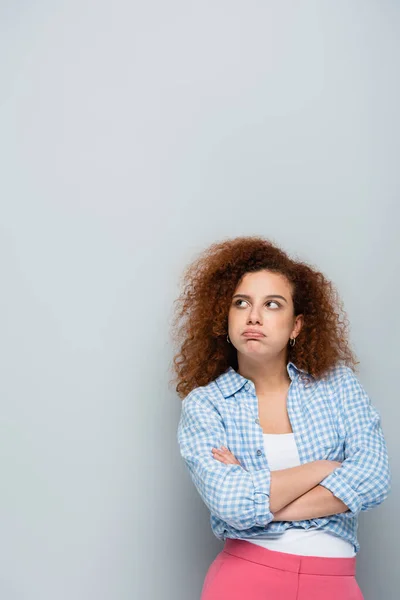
point(200, 323)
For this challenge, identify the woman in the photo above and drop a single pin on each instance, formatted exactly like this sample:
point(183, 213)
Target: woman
point(280, 439)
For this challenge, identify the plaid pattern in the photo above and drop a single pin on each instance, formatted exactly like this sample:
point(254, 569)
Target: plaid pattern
point(332, 418)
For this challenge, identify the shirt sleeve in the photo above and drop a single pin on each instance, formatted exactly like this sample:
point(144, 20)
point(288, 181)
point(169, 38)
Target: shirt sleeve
point(233, 494)
point(363, 480)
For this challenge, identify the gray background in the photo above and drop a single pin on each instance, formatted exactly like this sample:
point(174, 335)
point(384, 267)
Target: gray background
point(133, 135)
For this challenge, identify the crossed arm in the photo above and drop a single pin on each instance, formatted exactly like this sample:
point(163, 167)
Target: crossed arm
point(313, 504)
point(243, 499)
point(317, 502)
point(363, 480)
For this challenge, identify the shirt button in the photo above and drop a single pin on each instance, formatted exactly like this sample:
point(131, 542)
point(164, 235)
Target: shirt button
point(247, 386)
point(306, 380)
point(257, 421)
point(259, 452)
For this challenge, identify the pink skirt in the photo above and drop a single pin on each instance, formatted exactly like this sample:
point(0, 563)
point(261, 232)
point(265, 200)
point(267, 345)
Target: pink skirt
point(246, 571)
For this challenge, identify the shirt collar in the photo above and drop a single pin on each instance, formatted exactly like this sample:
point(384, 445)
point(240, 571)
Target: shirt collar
point(231, 381)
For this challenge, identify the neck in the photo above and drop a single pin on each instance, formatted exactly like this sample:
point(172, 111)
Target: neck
point(267, 377)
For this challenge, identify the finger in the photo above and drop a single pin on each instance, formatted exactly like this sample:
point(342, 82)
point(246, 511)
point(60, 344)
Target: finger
point(229, 453)
point(221, 459)
point(216, 454)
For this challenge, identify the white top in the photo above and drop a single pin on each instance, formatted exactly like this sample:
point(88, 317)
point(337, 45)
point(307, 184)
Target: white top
point(281, 450)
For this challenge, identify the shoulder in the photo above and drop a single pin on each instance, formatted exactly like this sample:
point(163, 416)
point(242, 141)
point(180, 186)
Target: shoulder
point(346, 390)
point(341, 386)
point(341, 378)
point(205, 397)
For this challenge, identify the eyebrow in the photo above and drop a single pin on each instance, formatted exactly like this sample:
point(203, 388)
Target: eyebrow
point(249, 297)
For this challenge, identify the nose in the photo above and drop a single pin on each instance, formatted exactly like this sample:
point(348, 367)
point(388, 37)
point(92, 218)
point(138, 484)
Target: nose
point(254, 316)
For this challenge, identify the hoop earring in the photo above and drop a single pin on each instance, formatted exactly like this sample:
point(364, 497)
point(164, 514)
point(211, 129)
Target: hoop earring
point(227, 339)
point(292, 340)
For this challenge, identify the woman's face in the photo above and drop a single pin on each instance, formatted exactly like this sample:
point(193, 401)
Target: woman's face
point(263, 301)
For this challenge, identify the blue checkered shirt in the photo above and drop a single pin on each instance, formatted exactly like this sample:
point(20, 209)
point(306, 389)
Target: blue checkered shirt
point(332, 418)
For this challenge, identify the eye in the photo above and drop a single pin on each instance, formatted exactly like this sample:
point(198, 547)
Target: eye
point(269, 302)
point(237, 302)
point(273, 302)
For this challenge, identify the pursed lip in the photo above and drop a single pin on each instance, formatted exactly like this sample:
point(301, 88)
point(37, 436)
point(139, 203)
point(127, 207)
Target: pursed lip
point(253, 332)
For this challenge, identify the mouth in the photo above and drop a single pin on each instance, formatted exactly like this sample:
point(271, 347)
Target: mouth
point(252, 335)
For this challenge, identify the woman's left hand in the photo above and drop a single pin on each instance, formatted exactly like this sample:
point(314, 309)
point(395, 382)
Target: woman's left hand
point(224, 455)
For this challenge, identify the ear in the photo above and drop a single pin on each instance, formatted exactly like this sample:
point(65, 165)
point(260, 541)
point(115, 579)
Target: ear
point(299, 322)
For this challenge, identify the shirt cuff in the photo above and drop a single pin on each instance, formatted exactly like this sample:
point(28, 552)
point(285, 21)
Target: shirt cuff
point(262, 485)
point(342, 490)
